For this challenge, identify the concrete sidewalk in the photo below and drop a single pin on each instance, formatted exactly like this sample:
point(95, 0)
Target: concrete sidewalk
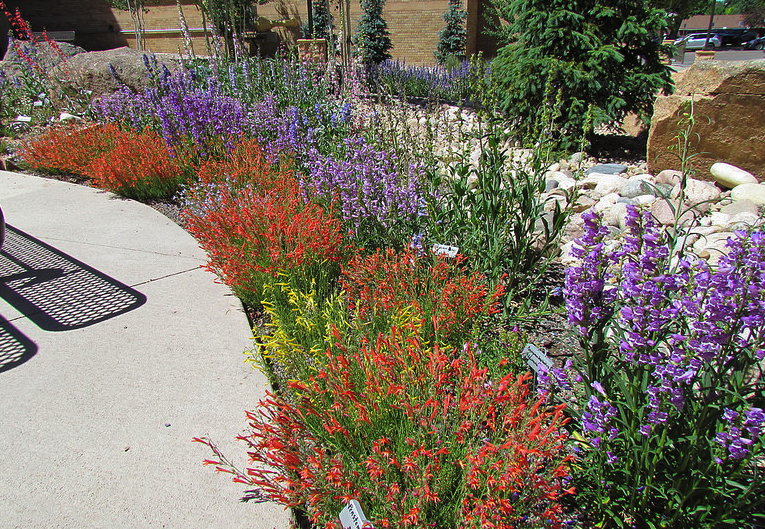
point(116, 349)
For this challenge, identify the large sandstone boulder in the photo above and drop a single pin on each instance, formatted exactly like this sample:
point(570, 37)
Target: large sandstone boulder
point(729, 111)
point(104, 72)
point(41, 53)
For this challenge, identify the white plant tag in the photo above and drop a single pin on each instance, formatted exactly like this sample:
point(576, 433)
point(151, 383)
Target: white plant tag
point(23, 119)
point(352, 517)
point(534, 356)
point(445, 250)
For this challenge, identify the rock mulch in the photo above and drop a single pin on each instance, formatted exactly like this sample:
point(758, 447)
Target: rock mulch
point(709, 213)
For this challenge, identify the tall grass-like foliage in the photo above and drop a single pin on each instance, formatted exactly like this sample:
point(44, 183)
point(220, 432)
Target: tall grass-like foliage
point(493, 212)
point(418, 434)
point(250, 216)
point(672, 390)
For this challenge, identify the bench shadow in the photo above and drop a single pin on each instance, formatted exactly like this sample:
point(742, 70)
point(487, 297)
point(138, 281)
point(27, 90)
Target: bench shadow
point(15, 347)
point(56, 291)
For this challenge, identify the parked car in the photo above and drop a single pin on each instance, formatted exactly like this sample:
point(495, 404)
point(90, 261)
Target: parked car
point(755, 44)
point(735, 36)
point(696, 41)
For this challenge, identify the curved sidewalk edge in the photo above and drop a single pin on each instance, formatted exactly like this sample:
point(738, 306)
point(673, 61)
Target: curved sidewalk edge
point(116, 349)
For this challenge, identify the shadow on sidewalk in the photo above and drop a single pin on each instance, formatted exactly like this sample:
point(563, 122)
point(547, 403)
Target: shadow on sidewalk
point(56, 291)
point(15, 347)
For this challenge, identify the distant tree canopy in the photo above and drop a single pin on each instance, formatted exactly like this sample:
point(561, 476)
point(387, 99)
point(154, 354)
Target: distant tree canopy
point(679, 10)
point(753, 11)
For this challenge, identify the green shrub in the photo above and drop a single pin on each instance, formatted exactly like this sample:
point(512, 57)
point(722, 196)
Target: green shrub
point(372, 35)
point(604, 53)
point(492, 211)
point(453, 38)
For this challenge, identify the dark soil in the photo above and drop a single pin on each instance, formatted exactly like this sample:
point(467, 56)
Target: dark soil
point(619, 148)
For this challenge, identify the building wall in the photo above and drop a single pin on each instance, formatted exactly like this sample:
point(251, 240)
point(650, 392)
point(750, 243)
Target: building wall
point(413, 24)
point(478, 19)
point(95, 24)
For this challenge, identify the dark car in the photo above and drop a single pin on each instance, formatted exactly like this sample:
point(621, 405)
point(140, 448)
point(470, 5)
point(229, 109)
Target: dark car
point(735, 36)
point(755, 44)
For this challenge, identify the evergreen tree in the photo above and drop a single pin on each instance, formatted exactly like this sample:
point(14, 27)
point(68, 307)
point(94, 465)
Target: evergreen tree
point(322, 20)
point(604, 53)
point(372, 35)
point(753, 11)
point(452, 39)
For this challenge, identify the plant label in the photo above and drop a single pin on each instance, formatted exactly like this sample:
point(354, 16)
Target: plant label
point(535, 356)
point(352, 517)
point(445, 250)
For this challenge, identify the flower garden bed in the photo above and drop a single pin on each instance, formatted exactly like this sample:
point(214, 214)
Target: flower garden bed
point(397, 372)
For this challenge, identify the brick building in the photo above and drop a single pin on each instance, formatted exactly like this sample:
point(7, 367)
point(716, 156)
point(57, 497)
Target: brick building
point(413, 24)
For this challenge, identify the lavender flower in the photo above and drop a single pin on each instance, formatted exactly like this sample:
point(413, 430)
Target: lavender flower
point(596, 419)
point(589, 298)
point(366, 184)
point(183, 113)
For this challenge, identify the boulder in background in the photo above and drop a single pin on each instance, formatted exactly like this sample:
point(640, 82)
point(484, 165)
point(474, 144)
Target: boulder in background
point(729, 111)
point(104, 72)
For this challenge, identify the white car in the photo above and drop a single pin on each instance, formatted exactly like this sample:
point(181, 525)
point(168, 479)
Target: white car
point(696, 41)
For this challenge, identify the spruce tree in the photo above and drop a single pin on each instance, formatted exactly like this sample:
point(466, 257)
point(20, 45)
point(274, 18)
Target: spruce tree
point(322, 20)
point(604, 53)
point(452, 39)
point(372, 35)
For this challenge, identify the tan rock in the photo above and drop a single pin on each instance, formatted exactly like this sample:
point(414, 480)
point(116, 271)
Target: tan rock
point(664, 212)
point(104, 72)
point(752, 192)
point(583, 203)
point(742, 206)
point(669, 176)
point(698, 194)
point(729, 106)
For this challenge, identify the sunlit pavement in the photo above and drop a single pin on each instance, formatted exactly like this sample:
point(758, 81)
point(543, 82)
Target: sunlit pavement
point(116, 349)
